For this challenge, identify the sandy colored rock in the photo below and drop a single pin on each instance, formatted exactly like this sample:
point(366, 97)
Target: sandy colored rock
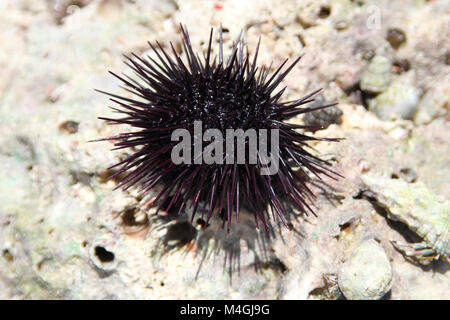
point(435, 103)
point(377, 77)
point(64, 232)
point(367, 274)
point(400, 99)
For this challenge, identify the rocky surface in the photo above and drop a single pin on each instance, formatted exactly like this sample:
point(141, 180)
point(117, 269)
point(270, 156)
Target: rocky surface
point(367, 274)
point(377, 77)
point(64, 232)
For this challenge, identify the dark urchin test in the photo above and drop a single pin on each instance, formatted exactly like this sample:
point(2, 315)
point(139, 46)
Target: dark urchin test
point(232, 93)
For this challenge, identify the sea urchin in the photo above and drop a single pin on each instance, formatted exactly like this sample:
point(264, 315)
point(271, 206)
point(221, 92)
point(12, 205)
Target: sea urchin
point(171, 93)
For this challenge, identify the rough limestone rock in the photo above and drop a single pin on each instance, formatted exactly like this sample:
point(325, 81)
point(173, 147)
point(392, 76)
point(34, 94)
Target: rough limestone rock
point(435, 103)
point(66, 234)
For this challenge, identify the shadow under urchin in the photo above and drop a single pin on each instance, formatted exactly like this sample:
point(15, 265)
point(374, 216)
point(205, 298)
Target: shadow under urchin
point(171, 93)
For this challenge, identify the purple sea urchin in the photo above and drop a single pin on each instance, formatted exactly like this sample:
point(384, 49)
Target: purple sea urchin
point(223, 94)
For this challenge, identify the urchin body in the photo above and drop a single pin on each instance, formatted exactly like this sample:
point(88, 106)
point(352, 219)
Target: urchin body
point(173, 93)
